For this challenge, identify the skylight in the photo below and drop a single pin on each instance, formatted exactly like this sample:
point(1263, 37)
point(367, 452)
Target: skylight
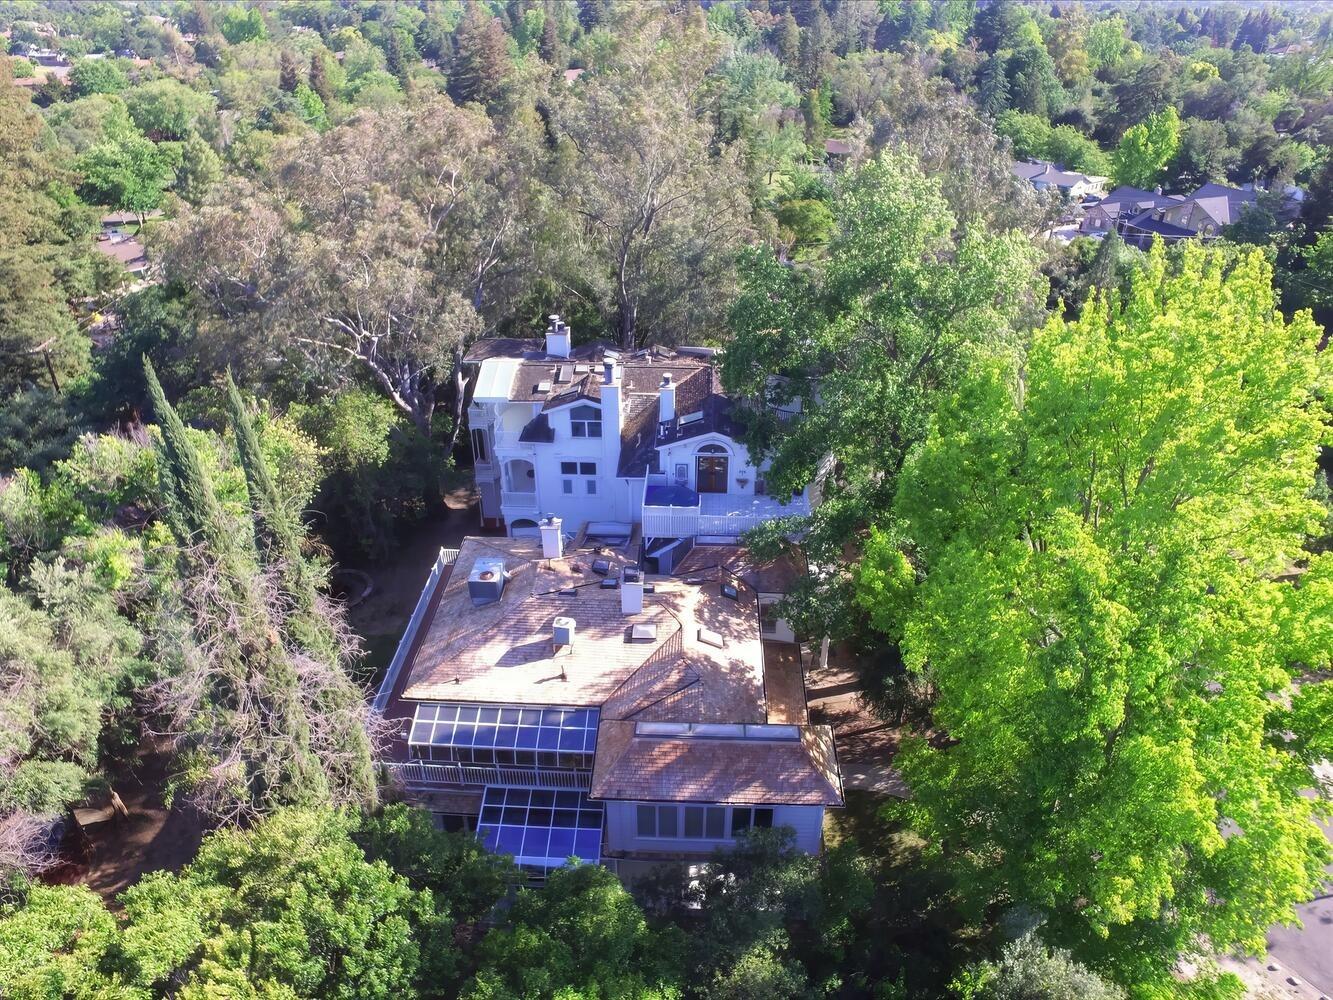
point(541, 828)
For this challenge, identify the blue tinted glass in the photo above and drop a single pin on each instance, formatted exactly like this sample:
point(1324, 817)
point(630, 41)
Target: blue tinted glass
point(489, 814)
point(464, 735)
point(527, 758)
point(489, 836)
point(553, 717)
point(488, 714)
point(505, 736)
point(568, 800)
point(535, 840)
point(543, 797)
point(467, 713)
point(549, 739)
point(517, 796)
point(576, 719)
point(590, 740)
point(565, 817)
point(510, 840)
point(527, 736)
point(515, 816)
point(446, 713)
point(587, 844)
point(531, 717)
point(571, 739)
point(509, 716)
point(561, 845)
point(484, 736)
point(539, 817)
point(444, 735)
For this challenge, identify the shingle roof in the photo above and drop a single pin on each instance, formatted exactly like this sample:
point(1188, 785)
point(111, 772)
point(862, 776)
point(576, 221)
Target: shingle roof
point(803, 771)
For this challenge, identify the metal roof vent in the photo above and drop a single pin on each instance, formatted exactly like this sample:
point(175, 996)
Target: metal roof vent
point(562, 631)
point(486, 582)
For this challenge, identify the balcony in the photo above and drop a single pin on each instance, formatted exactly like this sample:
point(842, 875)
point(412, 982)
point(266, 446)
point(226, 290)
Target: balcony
point(677, 512)
point(514, 500)
point(417, 773)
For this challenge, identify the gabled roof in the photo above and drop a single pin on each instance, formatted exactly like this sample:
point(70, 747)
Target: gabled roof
point(1148, 223)
point(1223, 204)
point(1133, 201)
point(1049, 173)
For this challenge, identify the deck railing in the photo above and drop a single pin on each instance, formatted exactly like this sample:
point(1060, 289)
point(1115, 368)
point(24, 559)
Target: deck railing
point(519, 500)
point(418, 772)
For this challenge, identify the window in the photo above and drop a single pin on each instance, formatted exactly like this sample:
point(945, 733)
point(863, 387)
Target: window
point(657, 821)
point(745, 818)
point(585, 422)
point(768, 618)
point(705, 822)
point(567, 486)
point(592, 486)
point(479, 452)
point(691, 822)
point(586, 469)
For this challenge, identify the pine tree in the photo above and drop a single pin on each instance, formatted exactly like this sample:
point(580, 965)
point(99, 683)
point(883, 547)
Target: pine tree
point(993, 89)
point(788, 42)
point(481, 59)
point(319, 80)
point(393, 57)
point(288, 77)
point(815, 45)
point(549, 46)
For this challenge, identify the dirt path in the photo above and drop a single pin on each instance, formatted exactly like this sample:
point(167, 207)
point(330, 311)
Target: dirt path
point(120, 852)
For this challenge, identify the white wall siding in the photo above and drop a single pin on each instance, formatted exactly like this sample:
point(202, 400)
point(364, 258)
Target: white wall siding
point(622, 831)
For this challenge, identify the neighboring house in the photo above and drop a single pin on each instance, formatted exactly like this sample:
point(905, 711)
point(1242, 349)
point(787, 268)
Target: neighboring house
point(1121, 205)
point(565, 703)
point(1210, 208)
point(615, 443)
point(126, 249)
point(1043, 176)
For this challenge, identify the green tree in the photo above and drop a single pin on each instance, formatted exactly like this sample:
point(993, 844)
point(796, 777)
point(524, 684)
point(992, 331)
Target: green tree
point(481, 63)
point(167, 109)
point(287, 72)
point(242, 23)
point(319, 80)
point(290, 908)
point(55, 943)
point(581, 934)
point(1132, 692)
point(1028, 970)
point(131, 174)
point(200, 168)
point(97, 76)
point(861, 346)
point(1146, 149)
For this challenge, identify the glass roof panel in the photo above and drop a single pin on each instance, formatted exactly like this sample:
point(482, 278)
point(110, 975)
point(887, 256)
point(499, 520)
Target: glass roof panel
point(540, 827)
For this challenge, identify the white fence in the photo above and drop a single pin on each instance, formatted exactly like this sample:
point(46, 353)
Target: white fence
point(717, 514)
point(442, 563)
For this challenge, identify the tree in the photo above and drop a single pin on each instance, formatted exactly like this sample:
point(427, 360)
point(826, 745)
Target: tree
point(319, 80)
point(256, 691)
point(481, 63)
point(443, 220)
point(97, 76)
point(55, 943)
point(166, 109)
point(581, 934)
point(243, 24)
point(1131, 691)
point(200, 168)
point(289, 908)
point(131, 174)
point(1146, 149)
point(1028, 970)
point(662, 211)
point(861, 346)
point(288, 76)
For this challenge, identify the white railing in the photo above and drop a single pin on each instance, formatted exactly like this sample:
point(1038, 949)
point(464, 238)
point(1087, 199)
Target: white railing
point(717, 514)
point(443, 561)
point(418, 772)
point(521, 501)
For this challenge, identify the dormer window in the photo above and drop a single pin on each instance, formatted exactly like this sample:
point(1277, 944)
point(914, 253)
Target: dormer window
point(585, 422)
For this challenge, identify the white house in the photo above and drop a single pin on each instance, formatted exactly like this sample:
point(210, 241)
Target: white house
point(610, 441)
point(563, 703)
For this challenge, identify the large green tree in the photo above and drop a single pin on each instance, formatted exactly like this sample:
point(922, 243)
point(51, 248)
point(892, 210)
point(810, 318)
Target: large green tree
point(1128, 677)
point(846, 360)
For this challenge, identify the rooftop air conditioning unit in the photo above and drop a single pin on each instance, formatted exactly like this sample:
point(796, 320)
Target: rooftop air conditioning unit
point(562, 631)
point(486, 582)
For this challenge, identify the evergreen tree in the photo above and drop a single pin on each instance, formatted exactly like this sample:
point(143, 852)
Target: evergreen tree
point(481, 58)
point(288, 77)
point(549, 46)
point(787, 40)
point(319, 80)
point(816, 43)
point(393, 57)
point(993, 87)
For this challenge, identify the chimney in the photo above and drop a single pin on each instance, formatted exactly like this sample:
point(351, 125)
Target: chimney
point(611, 412)
point(553, 541)
point(557, 338)
point(631, 591)
point(666, 399)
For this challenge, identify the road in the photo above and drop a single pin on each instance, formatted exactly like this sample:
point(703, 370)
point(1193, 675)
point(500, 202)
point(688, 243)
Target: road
point(1305, 952)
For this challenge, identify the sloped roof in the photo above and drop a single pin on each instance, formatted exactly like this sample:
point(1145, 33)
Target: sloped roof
point(634, 766)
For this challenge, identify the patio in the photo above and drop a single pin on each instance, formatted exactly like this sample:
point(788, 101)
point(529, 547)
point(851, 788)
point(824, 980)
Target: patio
point(677, 512)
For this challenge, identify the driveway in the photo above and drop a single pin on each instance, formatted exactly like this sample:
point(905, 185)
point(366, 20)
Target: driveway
point(1304, 953)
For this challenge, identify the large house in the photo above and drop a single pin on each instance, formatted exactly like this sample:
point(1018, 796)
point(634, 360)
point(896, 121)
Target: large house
point(562, 702)
point(624, 443)
point(1139, 216)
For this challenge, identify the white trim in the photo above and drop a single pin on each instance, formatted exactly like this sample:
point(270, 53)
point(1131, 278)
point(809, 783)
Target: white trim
point(446, 558)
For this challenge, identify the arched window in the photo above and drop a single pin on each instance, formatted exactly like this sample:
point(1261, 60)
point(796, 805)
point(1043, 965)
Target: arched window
point(711, 469)
point(585, 422)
